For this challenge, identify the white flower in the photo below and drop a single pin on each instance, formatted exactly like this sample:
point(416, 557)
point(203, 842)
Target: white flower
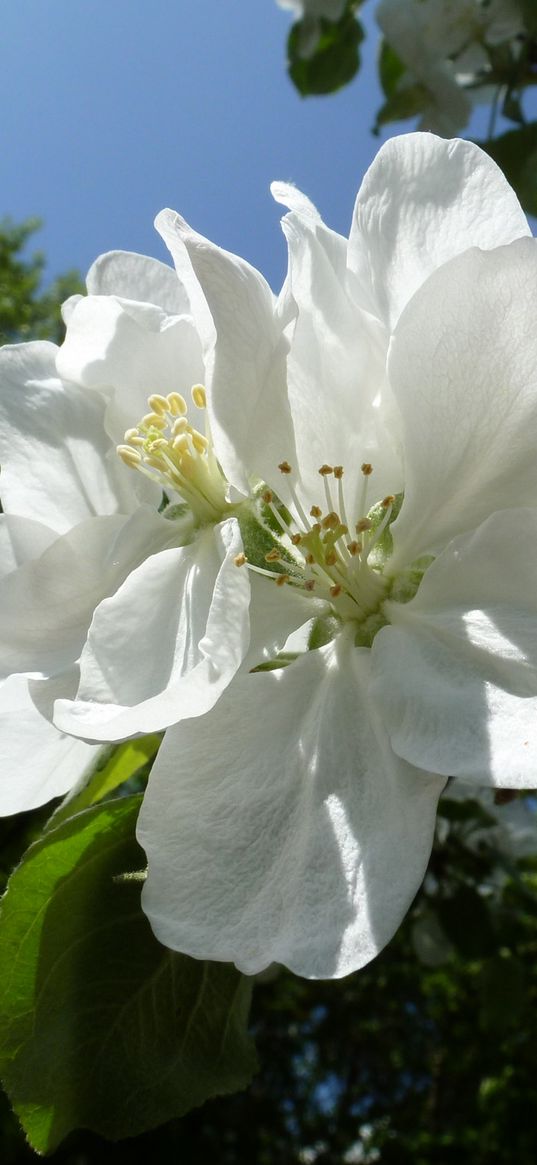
point(293, 823)
point(150, 605)
point(443, 44)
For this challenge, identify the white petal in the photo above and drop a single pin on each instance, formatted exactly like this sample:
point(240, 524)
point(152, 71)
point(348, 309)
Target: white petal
point(288, 195)
point(168, 642)
point(463, 368)
point(132, 276)
point(36, 761)
point(334, 372)
point(457, 671)
point(58, 465)
point(282, 828)
point(423, 201)
point(47, 604)
point(244, 352)
point(132, 349)
point(20, 540)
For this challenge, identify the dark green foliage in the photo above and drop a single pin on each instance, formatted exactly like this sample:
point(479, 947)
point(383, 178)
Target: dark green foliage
point(334, 62)
point(101, 1026)
point(27, 311)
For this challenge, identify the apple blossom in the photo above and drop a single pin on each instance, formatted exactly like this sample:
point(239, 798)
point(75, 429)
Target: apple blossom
point(293, 823)
point(443, 45)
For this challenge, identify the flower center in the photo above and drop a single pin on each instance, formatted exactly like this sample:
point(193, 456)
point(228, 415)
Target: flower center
point(172, 453)
point(324, 552)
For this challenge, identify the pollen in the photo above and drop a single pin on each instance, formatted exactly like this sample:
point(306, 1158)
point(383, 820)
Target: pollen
point(367, 469)
point(326, 470)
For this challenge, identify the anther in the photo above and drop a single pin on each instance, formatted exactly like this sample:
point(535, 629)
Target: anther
point(199, 442)
point(335, 591)
point(240, 559)
point(129, 455)
point(159, 404)
point(282, 579)
point(152, 421)
point(338, 471)
point(388, 500)
point(177, 404)
point(310, 559)
point(199, 396)
point(362, 525)
point(325, 470)
point(267, 497)
point(367, 469)
point(331, 558)
point(284, 467)
point(354, 548)
point(296, 539)
point(315, 511)
point(331, 521)
point(309, 585)
point(273, 555)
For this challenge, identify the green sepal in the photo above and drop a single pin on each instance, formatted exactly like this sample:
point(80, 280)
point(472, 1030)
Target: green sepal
point(101, 1026)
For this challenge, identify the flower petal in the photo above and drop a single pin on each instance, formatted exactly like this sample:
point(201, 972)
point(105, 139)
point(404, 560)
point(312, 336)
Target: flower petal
point(244, 352)
point(20, 540)
point(423, 201)
point(47, 604)
point(133, 349)
point(457, 670)
point(282, 828)
point(53, 447)
point(36, 761)
point(463, 371)
point(166, 644)
point(137, 277)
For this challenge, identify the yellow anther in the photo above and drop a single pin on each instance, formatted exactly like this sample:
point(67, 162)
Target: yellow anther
point(240, 559)
point(335, 591)
point(152, 421)
point(177, 404)
point(273, 555)
point(284, 467)
point(187, 464)
point(325, 470)
point(367, 469)
point(179, 426)
point(362, 525)
point(158, 403)
point(316, 512)
point(129, 455)
point(338, 471)
point(199, 442)
point(181, 443)
point(282, 579)
point(132, 435)
point(199, 396)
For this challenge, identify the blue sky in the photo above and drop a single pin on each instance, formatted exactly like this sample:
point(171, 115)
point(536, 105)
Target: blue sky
point(113, 109)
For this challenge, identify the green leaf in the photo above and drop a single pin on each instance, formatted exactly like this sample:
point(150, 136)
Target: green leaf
point(102, 1027)
point(335, 61)
point(406, 102)
point(390, 68)
point(516, 154)
point(117, 767)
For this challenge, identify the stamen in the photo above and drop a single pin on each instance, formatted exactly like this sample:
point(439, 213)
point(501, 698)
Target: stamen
point(159, 404)
point(362, 525)
point(326, 470)
point(240, 559)
point(177, 404)
point(282, 579)
point(199, 396)
point(284, 467)
point(273, 555)
point(129, 456)
point(315, 511)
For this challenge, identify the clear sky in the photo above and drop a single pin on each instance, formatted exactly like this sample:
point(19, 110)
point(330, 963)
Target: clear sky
point(113, 109)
